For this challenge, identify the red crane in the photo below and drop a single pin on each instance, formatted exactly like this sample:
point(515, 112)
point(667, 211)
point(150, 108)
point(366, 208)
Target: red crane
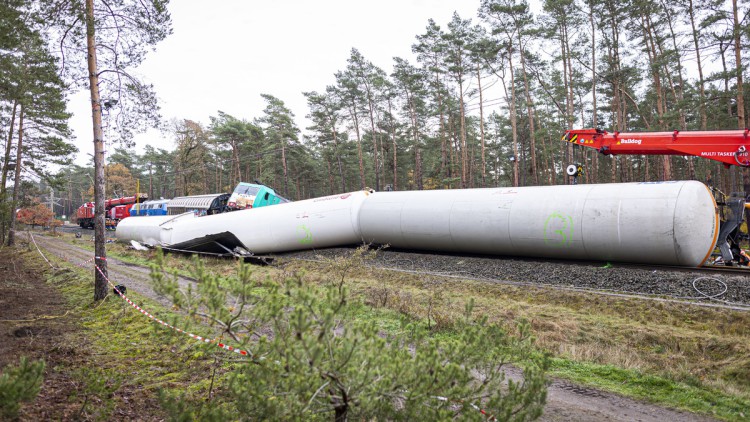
point(727, 146)
point(121, 206)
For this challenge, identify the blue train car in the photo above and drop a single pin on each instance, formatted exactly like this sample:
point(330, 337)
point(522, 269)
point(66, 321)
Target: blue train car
point(155, 207)
point(158, 207)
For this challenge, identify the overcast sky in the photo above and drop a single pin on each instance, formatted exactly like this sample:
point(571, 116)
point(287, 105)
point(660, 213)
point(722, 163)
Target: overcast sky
point(223, 55)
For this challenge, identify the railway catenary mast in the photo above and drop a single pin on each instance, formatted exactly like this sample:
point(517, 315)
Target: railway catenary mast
point(730, 147)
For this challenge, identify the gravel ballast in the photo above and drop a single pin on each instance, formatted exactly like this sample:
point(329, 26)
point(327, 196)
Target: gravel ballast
point(688, 284)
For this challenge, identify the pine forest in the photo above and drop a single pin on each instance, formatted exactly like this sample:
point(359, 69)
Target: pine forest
point(483, 102)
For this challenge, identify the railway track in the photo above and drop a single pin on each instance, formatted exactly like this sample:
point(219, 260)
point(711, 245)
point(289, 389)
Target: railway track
point(711, 286)
point(699, 300)
point(716, 269)
point(707, 287)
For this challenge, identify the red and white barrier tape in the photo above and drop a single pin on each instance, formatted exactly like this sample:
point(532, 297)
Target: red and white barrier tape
point(84, 263)
point(40, 251)
point(203, 339)
point(166, 324)
point(233, 349)
point(226, 346)
point(477, 408)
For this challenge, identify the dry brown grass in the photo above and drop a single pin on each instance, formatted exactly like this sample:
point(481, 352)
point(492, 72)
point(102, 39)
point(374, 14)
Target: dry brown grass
point(675, 340)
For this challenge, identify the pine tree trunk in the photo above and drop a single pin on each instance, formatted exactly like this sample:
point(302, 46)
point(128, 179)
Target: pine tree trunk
point(393, 140)
point(462, 128)
point(568, 102)
point(17, 181)
point(444, 168)
point(530, 112)
point(481, 127)
point(4, 177)
point(472, 165)
point(545, 161)
point(204, 170)
point(359, 146)
point(8, 146)
point(741, 124)
point(725, 74)
point(330, 178)
point(594, 117)
point(679, 91)
point(236, 171)
point(452, 147)
point(738, 60)
point(338, 156)
point(217, 175)
point(100, 252)
point(660, 98)
point(701, 83)
point(513, 122)
point(150, 183)
point(417, 147)
point(284, 167)
point(220, 180)
point(376, 162)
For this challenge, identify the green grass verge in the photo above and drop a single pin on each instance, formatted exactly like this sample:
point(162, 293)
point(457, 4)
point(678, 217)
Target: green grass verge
point(695, 398)
point(146, 355)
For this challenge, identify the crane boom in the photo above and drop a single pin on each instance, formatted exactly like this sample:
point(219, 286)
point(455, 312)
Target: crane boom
point(727, 146)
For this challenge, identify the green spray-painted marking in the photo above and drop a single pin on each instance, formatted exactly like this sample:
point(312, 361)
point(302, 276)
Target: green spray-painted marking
point(558, 229)
point(308, 236)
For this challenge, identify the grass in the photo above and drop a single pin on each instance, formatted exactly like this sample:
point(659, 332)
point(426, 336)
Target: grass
point(690, 358)
point(149, 356)
point(686, 357)
point(692, 396)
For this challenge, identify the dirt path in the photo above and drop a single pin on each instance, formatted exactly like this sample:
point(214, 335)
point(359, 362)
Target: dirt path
point(136, 278)
point(36, 322)
point(565, 401)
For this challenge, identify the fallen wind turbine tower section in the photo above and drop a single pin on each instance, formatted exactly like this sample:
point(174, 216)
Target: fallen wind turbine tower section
point(667, 223)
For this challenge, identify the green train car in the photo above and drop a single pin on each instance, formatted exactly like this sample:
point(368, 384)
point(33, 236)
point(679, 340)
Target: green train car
point(252, 195)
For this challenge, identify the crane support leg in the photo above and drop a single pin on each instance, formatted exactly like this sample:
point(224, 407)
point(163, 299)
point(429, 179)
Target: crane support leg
point(728, 240)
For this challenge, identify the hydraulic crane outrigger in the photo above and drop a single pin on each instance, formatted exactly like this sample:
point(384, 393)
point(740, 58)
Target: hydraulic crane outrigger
point(729, 147)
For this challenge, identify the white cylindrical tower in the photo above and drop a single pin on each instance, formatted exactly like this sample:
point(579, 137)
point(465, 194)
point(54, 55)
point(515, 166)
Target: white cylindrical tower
point(312, 223)
point(670, 223)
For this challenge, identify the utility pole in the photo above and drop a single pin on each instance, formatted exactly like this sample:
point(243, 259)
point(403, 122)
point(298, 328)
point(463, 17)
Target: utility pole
point(69, 209)
point(52, 201)
point(137, 195)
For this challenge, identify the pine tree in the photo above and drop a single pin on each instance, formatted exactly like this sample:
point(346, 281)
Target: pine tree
point(325, 114)
point(33, 86)
point(348, 93)
point(431, 52)
point(279, 129)
point(100, 43)
point(412, 82)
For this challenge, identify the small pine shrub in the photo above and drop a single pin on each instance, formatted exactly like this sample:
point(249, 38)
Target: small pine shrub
point(19, 384)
